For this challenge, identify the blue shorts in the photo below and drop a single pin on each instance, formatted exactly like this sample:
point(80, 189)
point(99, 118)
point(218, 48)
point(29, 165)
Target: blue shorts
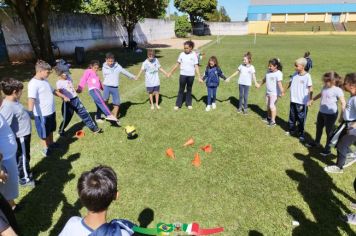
point(154, 89)
point(114, 92)
point(45, 125)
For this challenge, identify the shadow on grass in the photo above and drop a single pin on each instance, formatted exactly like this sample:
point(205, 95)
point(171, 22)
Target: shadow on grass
point(145, 218)
point(254, 233)
point(41, 202)
point(317, 188)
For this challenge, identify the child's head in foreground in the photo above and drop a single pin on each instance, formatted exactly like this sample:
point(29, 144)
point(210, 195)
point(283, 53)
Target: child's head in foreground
point(97, 188)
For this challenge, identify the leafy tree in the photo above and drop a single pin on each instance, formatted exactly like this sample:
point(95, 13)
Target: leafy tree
point(218, 15)
point(96, 7)
point(182, 26)
point(196, 9)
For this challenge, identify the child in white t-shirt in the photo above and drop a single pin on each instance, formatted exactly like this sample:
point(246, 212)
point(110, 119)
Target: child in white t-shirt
point(247, 74)
point(301, 91)
point(274, 89)
point(328, 112)
point(41, 103)
point(188, 63)
point(151, 67)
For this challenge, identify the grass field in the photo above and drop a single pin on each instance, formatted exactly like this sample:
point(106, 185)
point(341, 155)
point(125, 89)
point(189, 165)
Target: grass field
point(255, 182)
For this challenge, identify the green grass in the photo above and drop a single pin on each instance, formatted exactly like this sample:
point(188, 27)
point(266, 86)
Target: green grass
point(257, 180)
point(308, 27)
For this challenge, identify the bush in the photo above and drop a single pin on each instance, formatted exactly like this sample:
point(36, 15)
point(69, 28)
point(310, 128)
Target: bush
point(182, 26)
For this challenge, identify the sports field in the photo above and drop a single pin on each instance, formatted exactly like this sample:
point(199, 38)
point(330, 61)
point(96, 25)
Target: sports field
point(255, 182)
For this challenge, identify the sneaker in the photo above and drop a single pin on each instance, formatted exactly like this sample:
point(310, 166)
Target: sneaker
point(272, 124)
point(190, 107)
point(266, 120)
point(99, 121)
point(239, 110)
point(111, 118)
point(350, 218)
point(30, 183)
point(325, 153)
point(353, 205)
point(158, 107)
point(208, 108)
point(45, 152)
point(245, 112)
point(213, 105)
point(176, 108)
point(351, 155)
point(301, 139)
point(349, 161)
point(290, 133)
point(333, 169)
point(98, 131)
point(312, 144)
point(152, 107)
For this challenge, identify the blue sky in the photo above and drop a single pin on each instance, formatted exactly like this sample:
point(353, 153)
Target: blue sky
point(236, 9)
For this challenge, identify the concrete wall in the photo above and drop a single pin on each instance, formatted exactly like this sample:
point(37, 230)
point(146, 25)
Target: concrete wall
point(288, 2)
point(351, 17)
point(83, 30)
point(278, 18)
point(228, 28)
point(258, 27)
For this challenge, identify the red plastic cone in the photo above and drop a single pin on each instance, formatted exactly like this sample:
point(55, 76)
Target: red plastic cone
point(208, 148)
point(189, 142)
point(170, 153)
point(80, 134)
point(196, 162)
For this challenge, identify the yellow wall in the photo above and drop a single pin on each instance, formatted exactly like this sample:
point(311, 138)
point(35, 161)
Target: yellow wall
point(278, 18)
point(258, 27)
point(316, 17)
point(351, 17)
point(295, 18)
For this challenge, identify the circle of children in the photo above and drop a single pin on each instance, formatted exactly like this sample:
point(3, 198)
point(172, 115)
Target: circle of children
point(97, 188)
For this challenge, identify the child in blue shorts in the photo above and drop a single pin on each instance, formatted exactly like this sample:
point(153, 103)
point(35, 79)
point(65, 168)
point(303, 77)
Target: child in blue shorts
point(151, 66)
point(111, 74)
point(41, 104)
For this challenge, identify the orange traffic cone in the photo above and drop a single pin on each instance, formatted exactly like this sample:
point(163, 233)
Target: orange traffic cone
point(189, 142)
point(80, 134)
point(208, 148)
point(196, 162)
point(170, 153)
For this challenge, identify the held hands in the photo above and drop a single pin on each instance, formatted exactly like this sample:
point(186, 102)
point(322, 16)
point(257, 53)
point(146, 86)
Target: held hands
point(257, 85)
point(201, 80)
point(282, 94)
point(227, 80)
point(66, 99)
point(310, 103)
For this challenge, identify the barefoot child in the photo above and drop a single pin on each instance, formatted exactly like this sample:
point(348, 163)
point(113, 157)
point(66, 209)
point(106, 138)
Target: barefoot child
point(151, 66)
point(274, 89)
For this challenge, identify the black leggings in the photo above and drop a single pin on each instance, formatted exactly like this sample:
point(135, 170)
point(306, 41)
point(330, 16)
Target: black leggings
point(185, 81)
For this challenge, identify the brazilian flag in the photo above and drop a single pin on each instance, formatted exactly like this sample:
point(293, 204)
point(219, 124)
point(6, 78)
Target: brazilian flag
point(164, 229)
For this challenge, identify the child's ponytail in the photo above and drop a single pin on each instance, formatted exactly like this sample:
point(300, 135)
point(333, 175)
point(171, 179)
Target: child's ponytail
point(276, 62)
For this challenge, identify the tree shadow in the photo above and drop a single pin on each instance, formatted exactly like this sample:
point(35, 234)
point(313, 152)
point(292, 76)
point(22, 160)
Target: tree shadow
point(53, 173)
point(317, 189)
point(145, 218)
point(205, 99)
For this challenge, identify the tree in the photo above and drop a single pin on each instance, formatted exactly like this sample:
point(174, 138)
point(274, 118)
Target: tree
point(196, 9)
point(182, 26)
point(218, 15)
point(34, 16)
point(97, 7)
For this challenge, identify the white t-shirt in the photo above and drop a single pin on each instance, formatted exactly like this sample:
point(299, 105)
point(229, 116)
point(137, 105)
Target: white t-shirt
point(42, 92)
point(8, 145)
point(299, 89)
point(151, 72)
point(66, 87)
point(272, 79)
point(329, 98)
point(76, 226)
point(187, 63)
point(350, 110)
point(246, 73)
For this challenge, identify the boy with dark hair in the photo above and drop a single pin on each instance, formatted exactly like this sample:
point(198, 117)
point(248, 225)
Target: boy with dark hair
point(97, 188)
point(111, 74)
point(20, 122)
point(41, 103)
point(65, 86)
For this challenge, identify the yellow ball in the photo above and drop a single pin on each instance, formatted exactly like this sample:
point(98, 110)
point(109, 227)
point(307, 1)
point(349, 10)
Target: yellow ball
point(130, 131)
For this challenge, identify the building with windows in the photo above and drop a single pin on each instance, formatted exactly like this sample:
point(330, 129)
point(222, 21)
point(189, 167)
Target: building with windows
point(322, 13)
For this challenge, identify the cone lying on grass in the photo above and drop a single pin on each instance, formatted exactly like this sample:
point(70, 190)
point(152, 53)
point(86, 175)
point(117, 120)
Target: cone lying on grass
point(170, 153)
point(80, 134)
point(208, 148)
point(189, 142)
point(196, 162)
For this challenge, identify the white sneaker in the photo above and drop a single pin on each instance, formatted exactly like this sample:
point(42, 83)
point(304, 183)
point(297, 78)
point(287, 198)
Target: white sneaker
point(208, 108)
point(213, 105)
point(176, 108)
point(349, 161)
point(99, 121)
point(190, 107)
point(333, 169)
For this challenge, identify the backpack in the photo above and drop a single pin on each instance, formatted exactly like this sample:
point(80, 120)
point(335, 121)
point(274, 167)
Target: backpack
point(309, 64)
point(113, 228)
